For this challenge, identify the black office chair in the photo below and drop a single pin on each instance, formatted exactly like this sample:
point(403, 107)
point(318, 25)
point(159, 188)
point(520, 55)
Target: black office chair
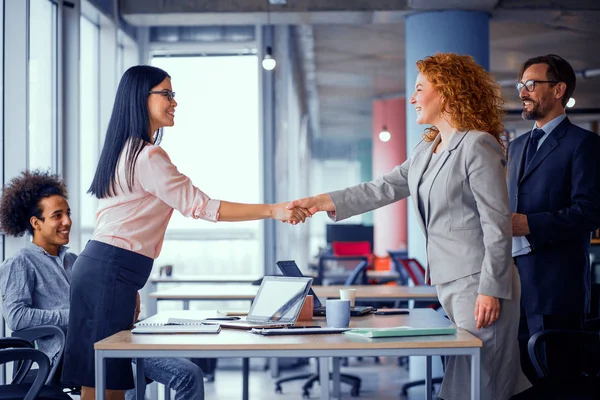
point(34, 333)
point(358, 276)
point(581, 382)
point(22, 353)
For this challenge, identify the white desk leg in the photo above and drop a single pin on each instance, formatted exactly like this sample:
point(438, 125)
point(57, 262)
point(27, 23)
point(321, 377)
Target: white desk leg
point(324, 377)
point(337, 392)
point(428, 387)
point(476, 375)
point(274, 367)
point(150, 305)
point(100, 378)
point(186, 304)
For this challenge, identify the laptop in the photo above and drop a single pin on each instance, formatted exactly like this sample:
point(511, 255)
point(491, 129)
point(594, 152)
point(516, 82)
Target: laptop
point(277, 304)
point(289, 268)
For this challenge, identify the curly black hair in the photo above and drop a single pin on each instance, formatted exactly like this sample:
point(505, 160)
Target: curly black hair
point(21, 198)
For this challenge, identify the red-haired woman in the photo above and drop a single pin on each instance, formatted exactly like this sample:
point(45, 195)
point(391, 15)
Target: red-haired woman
point(456, 179)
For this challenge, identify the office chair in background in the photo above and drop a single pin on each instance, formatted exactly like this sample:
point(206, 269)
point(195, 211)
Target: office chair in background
point(583, 379)
point(22, 353)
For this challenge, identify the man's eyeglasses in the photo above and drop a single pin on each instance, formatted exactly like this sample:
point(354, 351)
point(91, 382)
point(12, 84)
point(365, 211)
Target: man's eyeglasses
point(530, 85)
point(167, 93)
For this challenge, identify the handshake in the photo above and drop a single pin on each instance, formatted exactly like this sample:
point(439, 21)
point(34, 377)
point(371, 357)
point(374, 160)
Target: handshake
point(297, 211)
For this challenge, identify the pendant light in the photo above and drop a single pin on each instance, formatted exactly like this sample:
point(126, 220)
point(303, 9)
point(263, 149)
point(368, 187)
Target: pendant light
point(268, 62)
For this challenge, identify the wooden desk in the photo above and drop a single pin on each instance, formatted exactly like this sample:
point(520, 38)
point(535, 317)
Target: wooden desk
point(248, 292)
point(239, 343)
point(380, 276)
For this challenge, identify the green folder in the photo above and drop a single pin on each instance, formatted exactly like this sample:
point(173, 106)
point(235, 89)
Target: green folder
point(399, 331)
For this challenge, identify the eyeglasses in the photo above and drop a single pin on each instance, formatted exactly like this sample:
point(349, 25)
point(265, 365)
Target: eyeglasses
point(167, 93)
point(530, 85)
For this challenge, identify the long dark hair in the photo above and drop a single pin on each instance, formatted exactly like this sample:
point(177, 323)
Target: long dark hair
point(129, 126)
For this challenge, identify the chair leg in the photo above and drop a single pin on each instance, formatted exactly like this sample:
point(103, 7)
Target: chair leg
point(278, 382)
point(406, 386)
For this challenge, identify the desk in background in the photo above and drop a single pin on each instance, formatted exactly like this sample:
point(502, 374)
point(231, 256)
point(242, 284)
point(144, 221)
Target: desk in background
point(153, 281)
point(240, 343)
point(248, 292)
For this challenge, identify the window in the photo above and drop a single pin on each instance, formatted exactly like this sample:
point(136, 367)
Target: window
point(127, 53)
point(216, 142)
point(89, 122)
point(42, 138)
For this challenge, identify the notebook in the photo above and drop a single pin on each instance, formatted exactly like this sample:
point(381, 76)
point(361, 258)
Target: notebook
point(400, 331)
point(157, 324)
point(277, 304)
point(290, 268)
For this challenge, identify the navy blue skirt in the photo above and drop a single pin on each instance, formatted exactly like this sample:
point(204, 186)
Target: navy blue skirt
point(104, 284)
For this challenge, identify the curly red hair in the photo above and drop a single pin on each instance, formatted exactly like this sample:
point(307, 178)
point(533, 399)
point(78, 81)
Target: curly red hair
point(470, 96)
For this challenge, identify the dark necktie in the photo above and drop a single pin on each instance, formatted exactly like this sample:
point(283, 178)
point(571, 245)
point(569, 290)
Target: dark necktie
point(534, 139)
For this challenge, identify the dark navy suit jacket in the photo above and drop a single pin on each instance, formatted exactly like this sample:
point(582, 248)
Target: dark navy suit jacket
point(560, 194)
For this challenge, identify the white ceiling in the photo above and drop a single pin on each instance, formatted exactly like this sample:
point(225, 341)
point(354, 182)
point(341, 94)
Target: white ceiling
point(357, 63)
point(357, 48)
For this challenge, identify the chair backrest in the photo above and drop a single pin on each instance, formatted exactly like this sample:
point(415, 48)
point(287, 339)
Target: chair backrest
point(341, 249)
point(358, 275)
point(396, 256)
point(584, 363)
point(43, 331)
point(415, 270)
point(19, 350)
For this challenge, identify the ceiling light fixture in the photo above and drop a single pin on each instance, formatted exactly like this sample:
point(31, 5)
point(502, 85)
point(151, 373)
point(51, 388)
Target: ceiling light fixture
point(268, 62)
point(571, 102)
point(384, 135)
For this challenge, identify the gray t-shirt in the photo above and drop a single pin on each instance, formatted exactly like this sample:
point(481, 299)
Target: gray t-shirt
point(35, 291)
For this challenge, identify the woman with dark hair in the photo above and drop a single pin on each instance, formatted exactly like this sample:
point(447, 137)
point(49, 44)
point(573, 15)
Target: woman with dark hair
point(455, 178)
point(138, 188)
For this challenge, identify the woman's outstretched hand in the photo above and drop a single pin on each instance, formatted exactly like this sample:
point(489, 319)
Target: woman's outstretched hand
point(321, 202)
point(280, 212)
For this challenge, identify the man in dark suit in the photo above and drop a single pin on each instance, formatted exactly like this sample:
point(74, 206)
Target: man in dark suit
point(554, 188)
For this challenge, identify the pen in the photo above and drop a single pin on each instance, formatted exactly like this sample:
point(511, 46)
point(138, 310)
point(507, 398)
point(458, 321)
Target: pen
point(222, 319)
point(301, 327)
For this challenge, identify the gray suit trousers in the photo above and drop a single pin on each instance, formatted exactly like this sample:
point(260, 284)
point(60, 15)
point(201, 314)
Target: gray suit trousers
point(501, 374)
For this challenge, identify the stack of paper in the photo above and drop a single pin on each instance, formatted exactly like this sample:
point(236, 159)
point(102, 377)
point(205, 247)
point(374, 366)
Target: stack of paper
point(156, 324)
point(400, 331)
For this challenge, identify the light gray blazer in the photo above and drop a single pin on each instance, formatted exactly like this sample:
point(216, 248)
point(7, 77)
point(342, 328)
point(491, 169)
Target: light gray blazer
point(468, 227)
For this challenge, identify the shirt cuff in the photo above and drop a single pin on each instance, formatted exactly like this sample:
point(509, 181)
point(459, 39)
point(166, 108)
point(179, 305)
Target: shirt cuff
point(210, 212)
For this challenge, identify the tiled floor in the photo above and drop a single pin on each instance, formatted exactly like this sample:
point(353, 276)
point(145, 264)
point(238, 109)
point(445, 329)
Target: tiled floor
point(379, 381)
point(382, 382)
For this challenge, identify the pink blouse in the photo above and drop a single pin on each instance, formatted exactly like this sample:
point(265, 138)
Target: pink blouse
point(136, 220)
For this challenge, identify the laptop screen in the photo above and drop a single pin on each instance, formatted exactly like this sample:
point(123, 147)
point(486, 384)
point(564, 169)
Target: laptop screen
point(290, 268)
point(279, 299)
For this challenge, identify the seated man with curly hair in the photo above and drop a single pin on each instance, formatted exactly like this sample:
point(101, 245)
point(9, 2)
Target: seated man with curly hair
point(35, 282)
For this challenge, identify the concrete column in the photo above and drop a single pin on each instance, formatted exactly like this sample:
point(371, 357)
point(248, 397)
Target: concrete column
point(454, 31)
point(390, 221)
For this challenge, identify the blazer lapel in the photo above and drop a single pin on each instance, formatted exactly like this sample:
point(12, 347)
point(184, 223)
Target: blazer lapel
point(454, 142)
point(551, 142)
point(417, 168)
